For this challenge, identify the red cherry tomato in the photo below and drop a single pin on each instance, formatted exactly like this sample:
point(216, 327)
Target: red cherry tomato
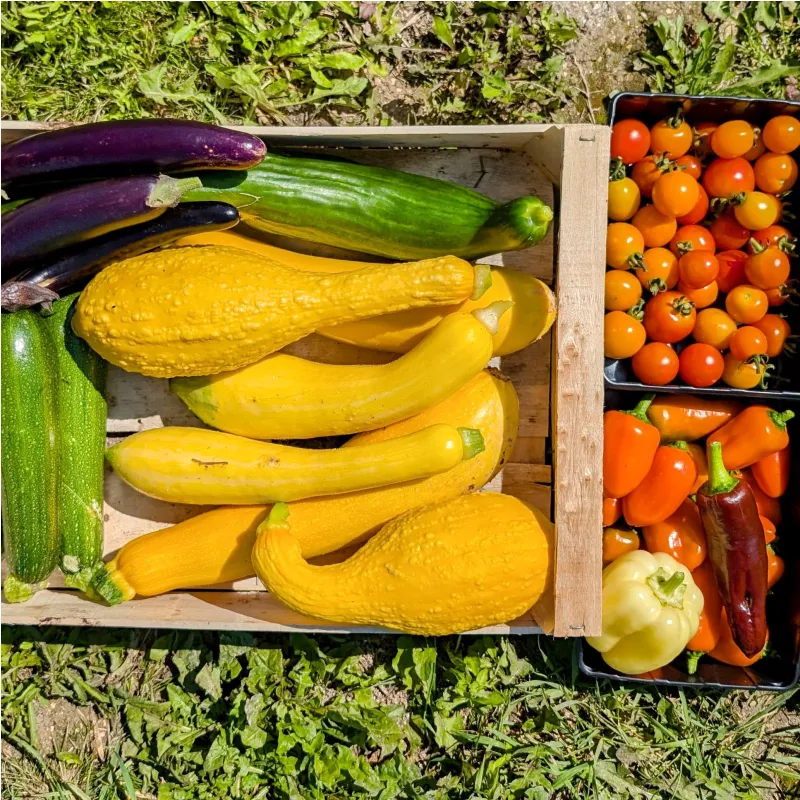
point(748, 341)
point(675, 194)
point(699, 211)
point(656, 228)
point(768, 269)
point(656, 364)
point(703, 296)
point(660, 270)
point(698, 268)
point(669, 317)
point(782, 134)
point(647, 171)
point(733, 139)
point(630, 140)
point(777, 331)
point(691, 166)
point(731, 269)
point(701, 365)
point(773, 236)
point(728, 233)
point(726, 176)
point(692, 237)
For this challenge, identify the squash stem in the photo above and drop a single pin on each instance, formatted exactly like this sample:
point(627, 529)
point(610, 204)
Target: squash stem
point(473, 443)
point(17, 591)
point(482, 281)
point(278, 518)
point(110, 584)
point(490, 315)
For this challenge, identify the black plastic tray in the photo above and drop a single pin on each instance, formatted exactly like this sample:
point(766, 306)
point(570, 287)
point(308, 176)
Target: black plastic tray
point(650, 108)
point(783, 609)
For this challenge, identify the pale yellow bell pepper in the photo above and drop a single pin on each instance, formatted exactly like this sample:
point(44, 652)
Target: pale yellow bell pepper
point(651, 609)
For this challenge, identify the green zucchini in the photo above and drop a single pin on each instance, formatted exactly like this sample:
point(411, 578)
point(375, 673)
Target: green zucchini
point(29, 455)
point(373, 210)
point(82, 412)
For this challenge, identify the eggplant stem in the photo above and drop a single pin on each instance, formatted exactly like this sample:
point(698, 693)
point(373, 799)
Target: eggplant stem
point(472, 442)
point(168, 191)
point(720, 481)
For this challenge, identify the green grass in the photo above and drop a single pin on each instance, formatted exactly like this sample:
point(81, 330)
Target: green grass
point(190, 715)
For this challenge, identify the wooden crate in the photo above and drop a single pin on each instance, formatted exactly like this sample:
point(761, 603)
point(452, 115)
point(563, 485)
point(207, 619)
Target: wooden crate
point(558, 458)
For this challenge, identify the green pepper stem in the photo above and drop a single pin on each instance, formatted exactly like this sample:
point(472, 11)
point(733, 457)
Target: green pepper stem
point(780, 419)
point(692, 659)
point(482, 281)
point(679, 445)
point(668, 589)
point(489, 316)
point(472, 441)
point(720, 481)
point(640, 412)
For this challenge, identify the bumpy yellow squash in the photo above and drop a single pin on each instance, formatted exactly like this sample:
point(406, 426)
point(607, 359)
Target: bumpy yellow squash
point(202, 310)
point(529, 319)
point(285, 397)
point(447, 568)
point(201, 467)
point(216, 546)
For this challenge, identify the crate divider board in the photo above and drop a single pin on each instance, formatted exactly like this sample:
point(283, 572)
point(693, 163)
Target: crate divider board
point(559, 379)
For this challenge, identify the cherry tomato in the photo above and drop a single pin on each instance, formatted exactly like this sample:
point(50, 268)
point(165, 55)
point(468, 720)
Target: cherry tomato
point(703, 296)
point(773, 236)
point(732, 139)
point(746, 304)
point(777, 331)
point(768, 269)
point(775, 173)
point(692, 237)
point(656, 228)
point(726, 176)
point(728, 233)
point(701, 143)
point(622, 290)
point(691, 166)
point(758, 210)
point(699, 211)
point(714, 327)
point(743, 374)
point(675, 194)
point(701, 365)
point(698, 268)
point(758, 148)
point(624, 245)
point(669, 317)
point(673, 137)
point(630, 140)
point(647, 171)
point(656, 364)
point(731, 269)
point(623, 335)
point(779, 296)
point(748, 341)
point(782, 134)
point(660, 270)
point(624, 198)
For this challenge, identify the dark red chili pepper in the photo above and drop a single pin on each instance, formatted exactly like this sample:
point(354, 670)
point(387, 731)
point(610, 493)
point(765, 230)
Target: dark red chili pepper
point(737, 551)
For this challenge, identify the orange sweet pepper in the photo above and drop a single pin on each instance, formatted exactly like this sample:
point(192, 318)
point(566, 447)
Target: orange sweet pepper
point(772, 472)
point(617, 542)
point(752, 435)
point(681, 535)
point(698, 454)
point(708, 633)
point(768, 506)
point(775, 567)
point(727, 651)
point(770, 530)
point(687, 418)
point(612, 510)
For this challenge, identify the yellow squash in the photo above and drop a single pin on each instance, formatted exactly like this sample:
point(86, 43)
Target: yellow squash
point(529, 319)
point(447, 568)
point(285, 397)
point(201, 467)
point(202, 310)
point(215, 546)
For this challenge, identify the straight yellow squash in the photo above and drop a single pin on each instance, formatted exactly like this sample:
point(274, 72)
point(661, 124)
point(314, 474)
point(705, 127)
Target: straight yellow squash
point(201, 467)
point(216, 546)
point(202, 310)
point(285, 397)
point(455, 566)
point(529, 319)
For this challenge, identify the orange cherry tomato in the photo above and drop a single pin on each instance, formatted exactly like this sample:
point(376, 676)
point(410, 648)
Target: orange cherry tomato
point(680, 535)
point(673, 137)
point(782, 134)
point(692, 237)
point(698, 268)
point(691, 165)
point(660, 271)
point(701, 365)
point(746, 303)
point(656, 364)
point(728, 233)
point(703, 296)
point(624, 198)
point(775, 568)
point(656, 228)
point(733, 139)
point(758, 210)
point(612, 510)
point(647, 171)
point(773, 236)
point(623, 335)
point(743, 374)
point(778, 296)
point(770, 531)
point(768, 269)
point(758, 148)
point(775, 173)
point(699, 211)
point(748, 341)
point(701, 143)
point(675, 193)
point(777, 331)
point(714, 327)
point(630, 140)
point(624, 245)
point(623, 291)
point(731, 269)
point(617, 542)
point(669, 317)
point(726, 176)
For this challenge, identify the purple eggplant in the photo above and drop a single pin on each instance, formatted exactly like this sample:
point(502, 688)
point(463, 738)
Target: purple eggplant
point(126, 147)
point(68, 217)
point(74, 266)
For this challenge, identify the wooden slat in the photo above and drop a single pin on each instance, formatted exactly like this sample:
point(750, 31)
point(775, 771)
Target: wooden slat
point(529, 450)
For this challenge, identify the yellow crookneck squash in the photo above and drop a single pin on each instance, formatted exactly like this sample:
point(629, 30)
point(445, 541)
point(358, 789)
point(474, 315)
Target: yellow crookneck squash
point(530, 317)
point(216, 546)
point(203, 310)
point(451, 567)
